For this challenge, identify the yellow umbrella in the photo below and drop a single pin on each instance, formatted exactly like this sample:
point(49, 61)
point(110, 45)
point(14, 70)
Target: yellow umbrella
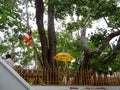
point(63, 56)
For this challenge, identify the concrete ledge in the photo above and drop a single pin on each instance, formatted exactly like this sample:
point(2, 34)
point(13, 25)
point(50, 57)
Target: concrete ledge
point(75, 87)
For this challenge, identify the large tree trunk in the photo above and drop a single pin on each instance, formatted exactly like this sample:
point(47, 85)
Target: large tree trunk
point(48, 46)
point(52, 44)
point(51, 34)
point(39, 4)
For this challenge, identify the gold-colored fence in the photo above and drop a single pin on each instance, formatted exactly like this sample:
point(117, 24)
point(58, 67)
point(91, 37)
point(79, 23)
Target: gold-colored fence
point(54, 76)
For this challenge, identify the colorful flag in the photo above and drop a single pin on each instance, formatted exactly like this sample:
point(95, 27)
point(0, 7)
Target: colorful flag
point(27, 37)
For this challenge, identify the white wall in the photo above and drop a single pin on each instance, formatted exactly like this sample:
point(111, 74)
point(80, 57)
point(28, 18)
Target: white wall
point(10, 80)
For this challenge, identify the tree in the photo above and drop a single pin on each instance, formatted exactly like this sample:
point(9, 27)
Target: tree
point(48, 45)
point(12, 27)
point(86, 12)
point(90, 11)
point(95, 49)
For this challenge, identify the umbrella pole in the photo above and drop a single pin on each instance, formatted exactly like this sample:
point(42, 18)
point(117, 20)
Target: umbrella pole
point(66, 73)
point(66, 66)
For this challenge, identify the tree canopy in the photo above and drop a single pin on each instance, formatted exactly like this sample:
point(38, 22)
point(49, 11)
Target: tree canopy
point(93, 51)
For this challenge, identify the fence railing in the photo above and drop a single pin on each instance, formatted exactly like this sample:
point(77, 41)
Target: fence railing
point(54, 76)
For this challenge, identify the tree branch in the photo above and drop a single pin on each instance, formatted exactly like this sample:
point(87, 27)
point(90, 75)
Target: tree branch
point(112, 54)
point(83, 31)
point(36, 52)
point(100, 49)
point(110, 25)
point(83, 40)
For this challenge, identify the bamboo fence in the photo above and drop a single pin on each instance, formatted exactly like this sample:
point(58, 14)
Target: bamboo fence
point(54, 76)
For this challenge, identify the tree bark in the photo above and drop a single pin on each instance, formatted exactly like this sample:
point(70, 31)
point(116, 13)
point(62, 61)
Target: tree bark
point(51, 35)
point(39, 4)
point(48, 47)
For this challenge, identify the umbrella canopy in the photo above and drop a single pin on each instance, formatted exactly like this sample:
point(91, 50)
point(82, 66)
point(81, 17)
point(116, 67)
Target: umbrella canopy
point(63, 56)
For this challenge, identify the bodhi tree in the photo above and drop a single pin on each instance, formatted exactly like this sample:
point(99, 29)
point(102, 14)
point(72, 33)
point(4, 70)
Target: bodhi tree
point(96, 49)
point(48, 44)
point(87, 11)
point(101, 54)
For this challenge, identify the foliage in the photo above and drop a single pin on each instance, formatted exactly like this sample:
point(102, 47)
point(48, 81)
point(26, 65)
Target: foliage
point(114, 19)
point(97, 9)
point(69, 43)
point(99, 37)
point(84, 7)
point(96, 63)
point(12, 29)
